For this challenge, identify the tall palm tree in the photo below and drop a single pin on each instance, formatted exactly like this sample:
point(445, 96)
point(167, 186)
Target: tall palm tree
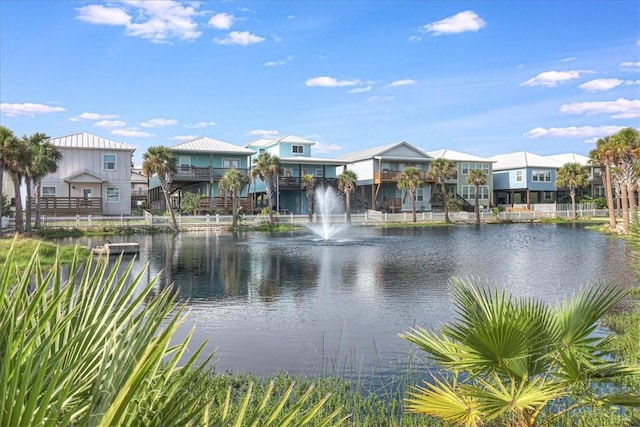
point(604, 156)
point(477, 178)
point(233, 182)
point(511, 359)
point(7, 140)
point(440, 170)
point(266, 167)
point(573, 176)
point(626, 145)
point(159, 160)
point(309, 185)
point(16, 159)
point(410, 181)
point(39, 166)
point(347, 184)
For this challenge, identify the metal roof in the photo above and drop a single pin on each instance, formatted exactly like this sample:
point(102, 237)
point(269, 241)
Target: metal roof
point(267, 142)
point(571, 158)
point(87, 141)
point(370, 153)
point(210, 145)
point(523, 159)
point(458, 156)
point(312, 160)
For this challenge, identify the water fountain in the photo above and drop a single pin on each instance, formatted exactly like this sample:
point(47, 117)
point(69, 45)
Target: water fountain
point(328, 203)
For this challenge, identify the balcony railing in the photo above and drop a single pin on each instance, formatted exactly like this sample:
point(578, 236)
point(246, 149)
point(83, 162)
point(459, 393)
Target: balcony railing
point(69, 205)
point(192, 173)
point(394, 176)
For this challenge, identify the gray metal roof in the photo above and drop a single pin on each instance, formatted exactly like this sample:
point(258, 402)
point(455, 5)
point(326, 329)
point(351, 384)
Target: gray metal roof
point(312, 160)
point(89, 142)
point(571, 158)
point(523, 159)
point(210, 145)
point(379, 151)
point(267, 142)
point(458, 156)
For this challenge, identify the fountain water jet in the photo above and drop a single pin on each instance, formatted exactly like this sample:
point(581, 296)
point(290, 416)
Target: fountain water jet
point(328, 203)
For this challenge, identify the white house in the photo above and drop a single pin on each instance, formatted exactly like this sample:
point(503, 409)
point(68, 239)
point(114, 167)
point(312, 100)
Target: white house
point(93, 177)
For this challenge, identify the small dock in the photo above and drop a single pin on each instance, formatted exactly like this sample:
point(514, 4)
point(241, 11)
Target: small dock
point(117, 249)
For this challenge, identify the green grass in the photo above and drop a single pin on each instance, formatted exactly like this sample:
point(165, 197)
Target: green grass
point(25, 247)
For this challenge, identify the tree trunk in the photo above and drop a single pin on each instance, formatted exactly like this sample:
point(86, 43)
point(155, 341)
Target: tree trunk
point(413, 206)
point(572, 193)
point(36, 196)
point(269, 203)
point(625, 207)
point(234, 216)
point(15, 177)
point(609, 195)
point(633, 207)
point(445, 202)
point(477, 205)
point(165, 190)
point(27, 208)
point(348, 205)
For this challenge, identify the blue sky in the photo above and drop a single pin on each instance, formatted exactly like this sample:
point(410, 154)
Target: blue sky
point(483, 77)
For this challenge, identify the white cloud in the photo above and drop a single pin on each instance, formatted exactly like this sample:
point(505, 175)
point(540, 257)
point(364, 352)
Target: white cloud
point(458, 23)
point(630, 66)
point(599, 85)
point(404, 82)
point(185, 137)
point(101, 15)
point(618, 109)
point(131, 132)
point(380, 98)
point(110, 124)
point(321, 148)
point(200, 125)
point(263, 132)
point(158, 21)
point(28, 109)
point(324, 81)
point(414, 39)
point(573, 132)
point(360, 89)
point(552, 78)
point(221, 21)
point(569, 59)
point(279, 63)
point(242, 38)
point(158, 123)
point(93, 116)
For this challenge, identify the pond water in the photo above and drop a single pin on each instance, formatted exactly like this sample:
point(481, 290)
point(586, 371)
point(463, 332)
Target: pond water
point(291, 302)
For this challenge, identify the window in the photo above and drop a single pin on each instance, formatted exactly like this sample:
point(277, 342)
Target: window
point(541, 176)
point(113, 194)
point(297, 149)
point(109, 162)
point(184, 163)
point(262, 150)
point(287, 172)
point(231, 163)
point(598, 191)
point(303, 171)
point(419, 195)
point(319, 172)
point(597, 172)
point(468, 167)
point(519, 176)
point(483, 192)
point(469, 192)
point(48, 191)
point(548, 196)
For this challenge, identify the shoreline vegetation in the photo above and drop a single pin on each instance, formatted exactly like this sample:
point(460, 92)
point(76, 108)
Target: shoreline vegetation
point(193, 393)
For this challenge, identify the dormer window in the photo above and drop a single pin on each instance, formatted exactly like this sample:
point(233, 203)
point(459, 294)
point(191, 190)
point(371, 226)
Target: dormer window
point(297, 149)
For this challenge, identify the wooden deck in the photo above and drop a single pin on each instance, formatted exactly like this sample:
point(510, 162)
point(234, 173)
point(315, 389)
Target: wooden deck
point(69, 205)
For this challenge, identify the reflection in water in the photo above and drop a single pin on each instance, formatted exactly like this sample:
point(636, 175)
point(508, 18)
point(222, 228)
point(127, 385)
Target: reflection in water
point(287, 302)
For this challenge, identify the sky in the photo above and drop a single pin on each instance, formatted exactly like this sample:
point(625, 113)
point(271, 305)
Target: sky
point(481, 77)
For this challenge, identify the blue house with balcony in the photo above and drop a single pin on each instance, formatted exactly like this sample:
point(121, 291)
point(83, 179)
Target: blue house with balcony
point(296, 161)
point(524, 178)
point(201, 164)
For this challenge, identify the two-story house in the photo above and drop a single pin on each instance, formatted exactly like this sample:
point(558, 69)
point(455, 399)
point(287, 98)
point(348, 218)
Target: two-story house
point(379, 169)
point(139, 189)
point(524, 178)
point(296, 161)
point(93, 177)
point(459, 185)
point(596, 183)
point(201, 164)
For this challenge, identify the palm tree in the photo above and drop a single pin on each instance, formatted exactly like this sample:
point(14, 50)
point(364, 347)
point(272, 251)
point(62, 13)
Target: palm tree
point(233, 181)
point(159, 160)
point(573, 176)
point(44, 160)
point(16, 159)
point(410, 181)
point(511, 359)
point(347, 184)
point(626, 145)
point(440, 170)
point(309, 185)
point(477, 178)
point(604, 156)
point(7, 141)
point(267, 168)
